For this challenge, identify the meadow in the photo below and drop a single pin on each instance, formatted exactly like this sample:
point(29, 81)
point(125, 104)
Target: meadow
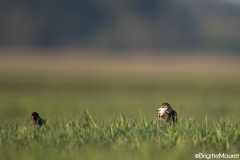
point(103, 107)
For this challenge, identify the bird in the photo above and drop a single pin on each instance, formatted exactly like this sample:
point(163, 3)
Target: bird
point(36, 119)
point(166, 113)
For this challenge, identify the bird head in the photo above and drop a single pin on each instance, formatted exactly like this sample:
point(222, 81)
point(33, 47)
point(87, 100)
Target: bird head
point(163, 109)
point(35, 116)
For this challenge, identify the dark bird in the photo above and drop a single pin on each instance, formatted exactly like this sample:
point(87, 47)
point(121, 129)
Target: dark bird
point(166, 113)
point(36, 119)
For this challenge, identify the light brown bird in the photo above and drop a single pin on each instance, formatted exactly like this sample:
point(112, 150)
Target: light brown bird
point(166, 113)
point(36, 119)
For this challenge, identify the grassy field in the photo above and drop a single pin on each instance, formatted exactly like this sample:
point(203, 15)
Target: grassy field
point(84, 137)
point(114, 99)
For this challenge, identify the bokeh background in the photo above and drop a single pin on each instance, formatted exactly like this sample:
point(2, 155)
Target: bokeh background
point(62, 57)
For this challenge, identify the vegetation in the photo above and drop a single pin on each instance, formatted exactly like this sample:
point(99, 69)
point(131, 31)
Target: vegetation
point(120, 126)
point(104, 114)
point(93, 138)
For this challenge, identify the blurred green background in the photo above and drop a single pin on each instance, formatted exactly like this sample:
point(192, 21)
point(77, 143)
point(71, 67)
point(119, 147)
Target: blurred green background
point(123, 56)
point(67, 84)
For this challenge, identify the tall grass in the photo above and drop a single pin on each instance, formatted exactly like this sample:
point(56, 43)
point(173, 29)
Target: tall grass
point(84, 95)
point(121, 138)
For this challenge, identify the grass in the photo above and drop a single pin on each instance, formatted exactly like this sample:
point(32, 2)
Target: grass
point(106, 109)
point(86, 137)
point(20, 95)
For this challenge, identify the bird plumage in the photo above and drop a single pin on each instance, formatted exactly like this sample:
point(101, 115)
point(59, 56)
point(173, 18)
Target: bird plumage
point(166, 113)
point(36, 119)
